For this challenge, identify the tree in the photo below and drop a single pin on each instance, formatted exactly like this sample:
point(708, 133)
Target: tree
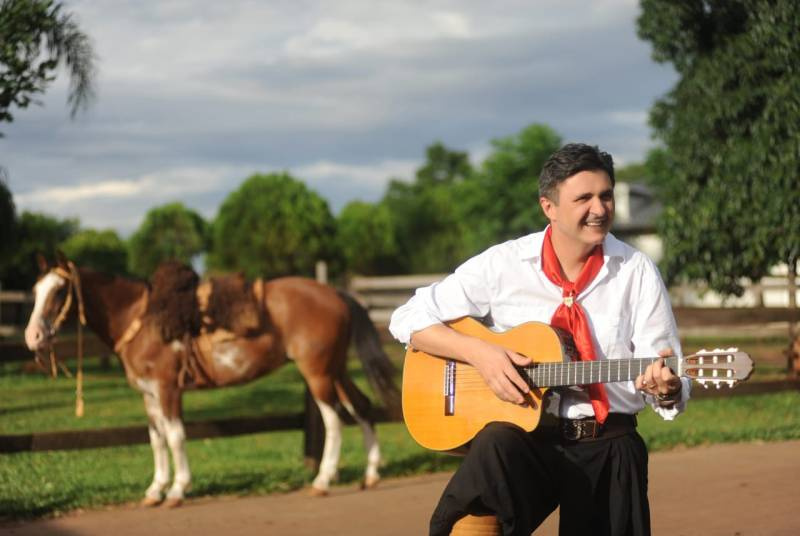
point(427, 212)
point(36, 233)
point(443, 166)
point(365, 234)
point(8, 219)
point(631, 173)
point(731, 126)
point(102, 250)
point(38, 38)
point(502, 202)
point(272, 226)
point(168, 232)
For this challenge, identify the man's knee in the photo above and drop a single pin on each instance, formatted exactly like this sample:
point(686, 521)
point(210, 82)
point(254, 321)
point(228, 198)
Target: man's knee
point(498, 437)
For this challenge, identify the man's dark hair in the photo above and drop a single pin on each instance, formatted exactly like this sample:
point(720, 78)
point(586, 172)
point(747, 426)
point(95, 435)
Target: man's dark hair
point(569, 160)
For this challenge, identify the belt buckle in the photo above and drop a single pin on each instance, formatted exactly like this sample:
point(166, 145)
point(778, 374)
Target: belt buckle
point(575, 430)
point(571, 430)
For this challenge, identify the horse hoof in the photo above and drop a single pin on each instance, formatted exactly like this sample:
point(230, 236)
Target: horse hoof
point(173, 503)
point(317, 492)
point(150, 502)
point(370, 482)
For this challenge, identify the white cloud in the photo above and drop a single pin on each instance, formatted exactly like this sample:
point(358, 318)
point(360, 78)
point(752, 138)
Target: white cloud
point(451, 24)
point(628, 117)
point(156, 185)
point(368, 175)
point(193, 96)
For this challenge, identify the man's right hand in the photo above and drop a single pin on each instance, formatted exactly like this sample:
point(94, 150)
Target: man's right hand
point(494, 363)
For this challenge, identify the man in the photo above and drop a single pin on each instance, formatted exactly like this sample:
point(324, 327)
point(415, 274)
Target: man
point(577, 276)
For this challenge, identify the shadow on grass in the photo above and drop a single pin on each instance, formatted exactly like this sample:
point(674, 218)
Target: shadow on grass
point(90, 397)
point(21, 510)
point(249, 483)
point(422, 462)
point(249, 402)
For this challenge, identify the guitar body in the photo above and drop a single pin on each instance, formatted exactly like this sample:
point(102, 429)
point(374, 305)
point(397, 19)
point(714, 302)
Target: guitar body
point(439, 424)
point(446, 402)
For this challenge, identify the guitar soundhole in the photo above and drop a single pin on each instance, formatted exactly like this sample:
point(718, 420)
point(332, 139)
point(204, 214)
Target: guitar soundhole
point(568, 347)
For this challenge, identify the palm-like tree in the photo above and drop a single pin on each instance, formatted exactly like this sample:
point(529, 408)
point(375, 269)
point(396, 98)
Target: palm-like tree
point(36, 38)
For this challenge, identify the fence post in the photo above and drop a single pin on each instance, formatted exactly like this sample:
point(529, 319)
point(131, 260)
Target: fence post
point(313, 427)
point(322, 272)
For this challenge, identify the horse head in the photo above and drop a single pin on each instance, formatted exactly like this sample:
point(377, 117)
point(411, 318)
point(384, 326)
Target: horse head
point(52, 301)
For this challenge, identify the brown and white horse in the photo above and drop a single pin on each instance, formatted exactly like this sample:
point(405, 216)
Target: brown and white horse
point(308, 323)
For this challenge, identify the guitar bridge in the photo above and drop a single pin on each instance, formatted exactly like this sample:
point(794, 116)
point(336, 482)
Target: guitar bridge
point(449, 387)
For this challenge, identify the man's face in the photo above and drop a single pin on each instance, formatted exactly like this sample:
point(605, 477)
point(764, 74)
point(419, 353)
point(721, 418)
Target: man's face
point(584, 210)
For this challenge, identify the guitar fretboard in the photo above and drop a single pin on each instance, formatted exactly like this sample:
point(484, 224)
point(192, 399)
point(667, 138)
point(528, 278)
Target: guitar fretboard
point(588, 372)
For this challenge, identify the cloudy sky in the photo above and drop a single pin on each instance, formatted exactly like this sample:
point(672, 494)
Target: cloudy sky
point(194, 95)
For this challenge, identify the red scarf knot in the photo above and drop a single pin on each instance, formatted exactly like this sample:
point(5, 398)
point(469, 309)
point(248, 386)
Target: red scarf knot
point(570, 315)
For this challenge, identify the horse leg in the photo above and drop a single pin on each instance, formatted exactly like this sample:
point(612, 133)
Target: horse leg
point(359, 406)
point(176, 439)
point(157, 430)
point(323, 392)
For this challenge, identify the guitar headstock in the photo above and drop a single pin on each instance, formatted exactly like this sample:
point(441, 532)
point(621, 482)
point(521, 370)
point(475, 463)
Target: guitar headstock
point(718, 367)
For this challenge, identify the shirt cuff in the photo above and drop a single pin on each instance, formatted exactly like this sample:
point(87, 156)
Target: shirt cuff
point(403, 326)
point(669, 414)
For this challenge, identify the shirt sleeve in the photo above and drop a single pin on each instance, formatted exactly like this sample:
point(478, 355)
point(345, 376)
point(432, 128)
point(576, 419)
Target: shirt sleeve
point(465, 292)
point(655, 329)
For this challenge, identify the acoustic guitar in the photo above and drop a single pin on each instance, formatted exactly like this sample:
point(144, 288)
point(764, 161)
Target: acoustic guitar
point(446, 402)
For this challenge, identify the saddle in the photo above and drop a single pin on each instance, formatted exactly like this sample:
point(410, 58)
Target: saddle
point(229, 303)
point(200, 314)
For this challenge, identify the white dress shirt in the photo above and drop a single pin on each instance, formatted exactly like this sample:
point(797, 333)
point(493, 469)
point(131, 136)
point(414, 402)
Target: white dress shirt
point(627, 305)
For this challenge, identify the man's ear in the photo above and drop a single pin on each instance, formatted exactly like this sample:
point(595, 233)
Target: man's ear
point(548, 207)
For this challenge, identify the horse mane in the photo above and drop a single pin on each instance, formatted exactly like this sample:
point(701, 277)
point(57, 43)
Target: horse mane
point(232, 305)
point(173, 300)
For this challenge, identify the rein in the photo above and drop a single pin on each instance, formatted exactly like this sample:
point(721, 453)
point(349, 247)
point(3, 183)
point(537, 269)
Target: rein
point(74, 281)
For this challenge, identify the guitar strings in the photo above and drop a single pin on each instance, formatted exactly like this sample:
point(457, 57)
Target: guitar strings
point(467, 376)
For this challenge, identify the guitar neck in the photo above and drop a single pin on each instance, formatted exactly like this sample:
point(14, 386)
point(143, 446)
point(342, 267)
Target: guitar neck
point(559, 374)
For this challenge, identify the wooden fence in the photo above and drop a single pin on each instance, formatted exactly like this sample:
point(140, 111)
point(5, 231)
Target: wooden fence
point(381, 295)
point(763, 302)
point(15, 308)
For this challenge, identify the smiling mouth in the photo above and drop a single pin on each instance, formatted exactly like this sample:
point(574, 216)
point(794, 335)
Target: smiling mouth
point(596, 223)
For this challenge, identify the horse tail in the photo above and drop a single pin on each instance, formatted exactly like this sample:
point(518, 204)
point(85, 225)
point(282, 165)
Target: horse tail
point(379, 369)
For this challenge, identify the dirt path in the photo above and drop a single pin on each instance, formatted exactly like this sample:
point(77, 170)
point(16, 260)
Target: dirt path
point(743, 489)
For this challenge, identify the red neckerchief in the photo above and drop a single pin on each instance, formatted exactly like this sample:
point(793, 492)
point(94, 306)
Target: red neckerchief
point(571, 316)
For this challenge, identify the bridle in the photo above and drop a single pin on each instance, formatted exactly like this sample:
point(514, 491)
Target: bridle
point(72, 277)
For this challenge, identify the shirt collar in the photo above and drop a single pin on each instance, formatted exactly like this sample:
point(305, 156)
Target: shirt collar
point(529, 247)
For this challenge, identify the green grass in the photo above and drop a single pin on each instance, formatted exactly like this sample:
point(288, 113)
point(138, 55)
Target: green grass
point(35, 403)
point(48, 483)
point(36, 484)
point(768, 417)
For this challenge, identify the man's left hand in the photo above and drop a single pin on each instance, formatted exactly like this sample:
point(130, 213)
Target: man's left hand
point(658, 379)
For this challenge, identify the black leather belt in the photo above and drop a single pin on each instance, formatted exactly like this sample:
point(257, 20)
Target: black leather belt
point(616, 424)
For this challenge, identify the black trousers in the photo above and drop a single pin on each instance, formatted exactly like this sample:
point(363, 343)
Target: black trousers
point(521, 477)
